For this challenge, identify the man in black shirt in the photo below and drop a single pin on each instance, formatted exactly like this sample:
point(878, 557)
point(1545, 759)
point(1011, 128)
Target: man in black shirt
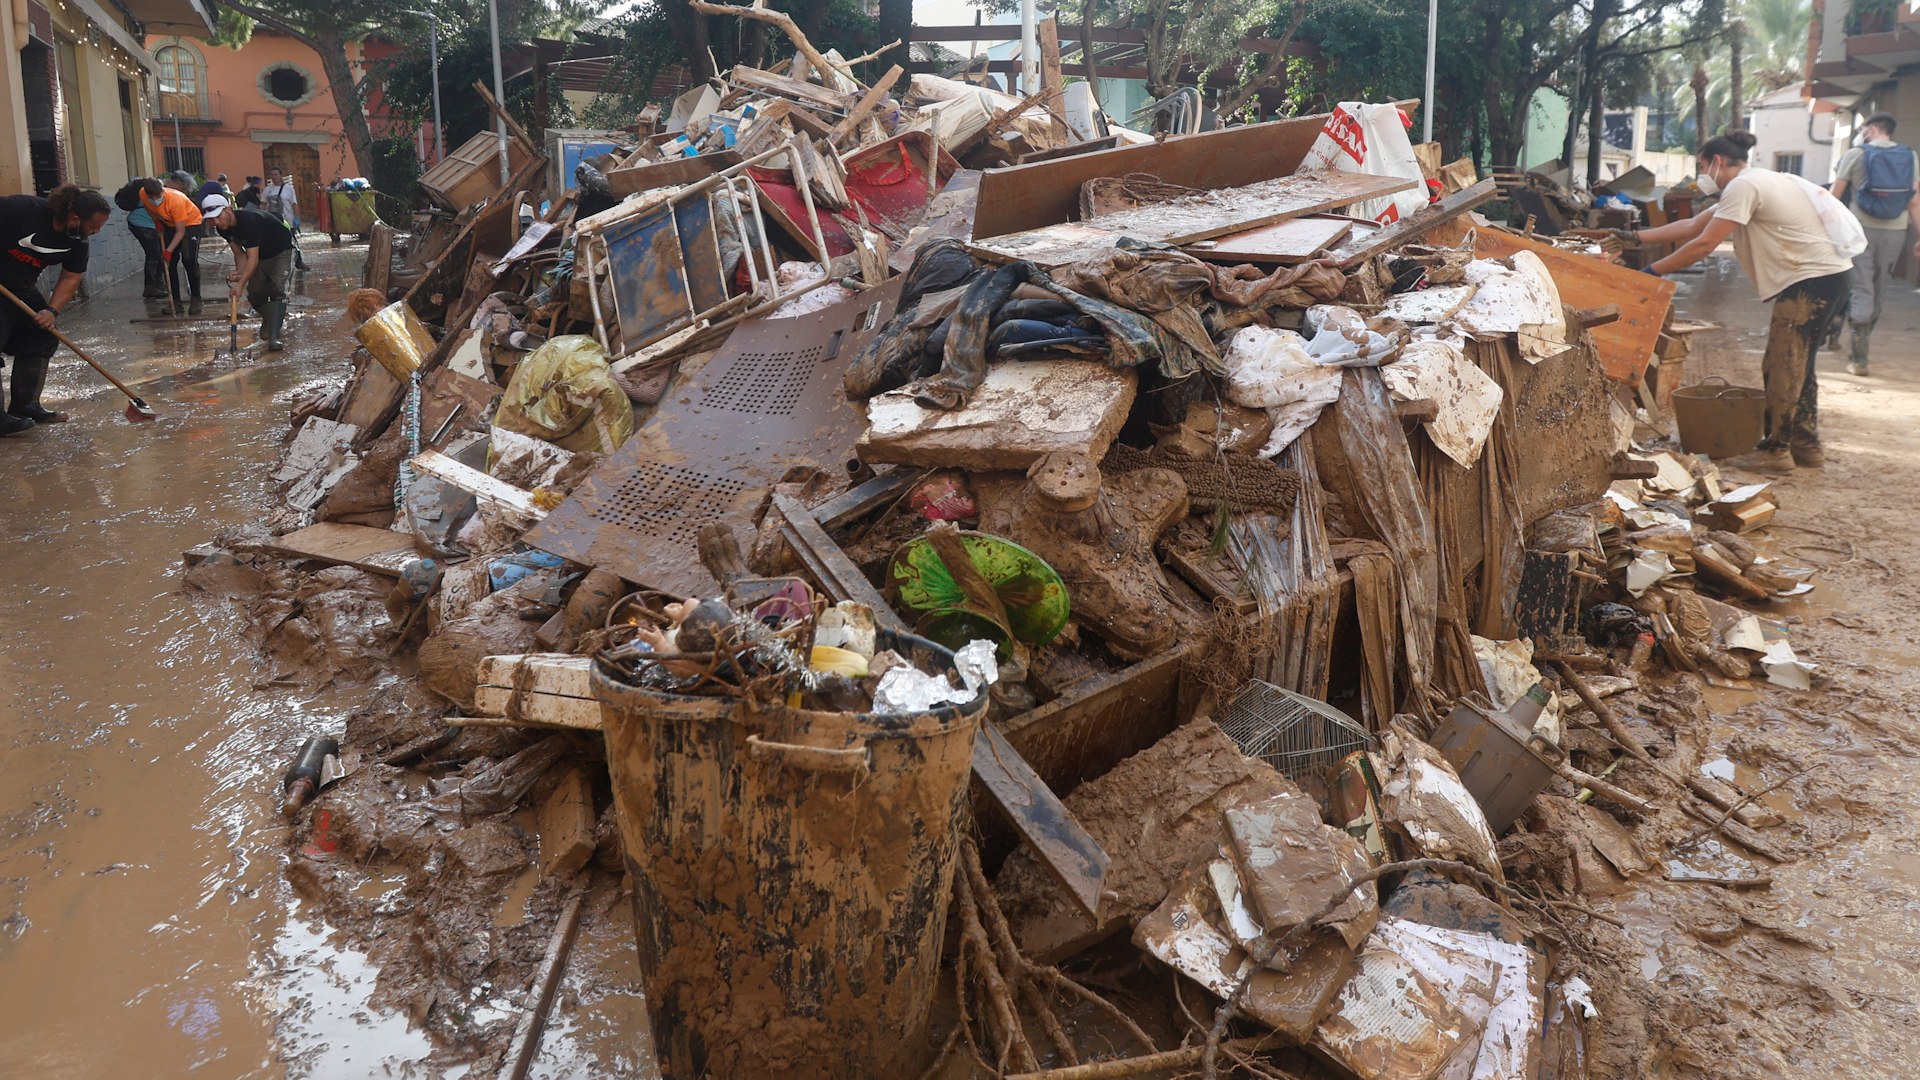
point(249, 197)
point(36, 233)
point(262, 260)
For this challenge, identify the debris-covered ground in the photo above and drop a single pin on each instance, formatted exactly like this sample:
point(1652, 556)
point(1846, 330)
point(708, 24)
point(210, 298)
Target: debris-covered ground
point(853, 594)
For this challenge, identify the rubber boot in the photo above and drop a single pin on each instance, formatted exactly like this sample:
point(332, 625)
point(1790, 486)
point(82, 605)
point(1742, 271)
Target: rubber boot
point(271, 322)
point(29, 377)
point(14, 425)
point(1862, 333)
point(195, 307)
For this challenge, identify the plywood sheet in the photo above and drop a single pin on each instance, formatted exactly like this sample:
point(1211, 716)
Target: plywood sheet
point(1048, 192)
point(381, 551)
point(1626, 344)
point(1286, 242)
point(1199, 216)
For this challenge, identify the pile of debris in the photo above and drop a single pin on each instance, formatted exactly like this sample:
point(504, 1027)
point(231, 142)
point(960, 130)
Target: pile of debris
point(1287, 519)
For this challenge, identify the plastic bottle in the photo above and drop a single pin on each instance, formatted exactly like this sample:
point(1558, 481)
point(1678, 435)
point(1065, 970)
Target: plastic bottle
point(1522, 713)
point(308, 771)
point(1642, 651)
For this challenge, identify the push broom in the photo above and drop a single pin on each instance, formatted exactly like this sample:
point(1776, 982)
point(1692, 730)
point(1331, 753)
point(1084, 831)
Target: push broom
point(138, 412)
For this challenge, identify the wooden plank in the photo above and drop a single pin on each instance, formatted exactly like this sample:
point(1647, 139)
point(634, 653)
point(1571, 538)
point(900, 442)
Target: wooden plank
point(1049, 35)
point(1625, 345)
point(1021, 197)
point(566, 824)
point(380, 551)
point(379, 257)
point(537, 710)
point(490, 492)
point(545, 673)
point(674, 172)
point(1200, 216)
point(1074, 858)
point(444, 390)
point(1286, 243)
point(1361, 247)
point(806, 93)
point(867, 103)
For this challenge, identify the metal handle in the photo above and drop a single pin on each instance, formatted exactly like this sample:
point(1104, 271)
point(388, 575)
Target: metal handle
point(854, 761)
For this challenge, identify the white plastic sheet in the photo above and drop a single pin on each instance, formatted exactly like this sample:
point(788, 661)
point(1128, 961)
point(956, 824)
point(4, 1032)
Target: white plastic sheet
point(1468, 398)
point(1271, 370)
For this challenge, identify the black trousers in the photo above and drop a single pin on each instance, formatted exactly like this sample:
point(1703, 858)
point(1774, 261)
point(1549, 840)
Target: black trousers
point(185, 257)
point(153, 277)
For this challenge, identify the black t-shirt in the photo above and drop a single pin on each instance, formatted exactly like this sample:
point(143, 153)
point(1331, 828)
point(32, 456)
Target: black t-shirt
point(29, 244)
point(259, 229)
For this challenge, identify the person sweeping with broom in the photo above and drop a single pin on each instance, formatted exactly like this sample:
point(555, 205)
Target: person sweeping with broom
point(36, 233)
point(262, 261)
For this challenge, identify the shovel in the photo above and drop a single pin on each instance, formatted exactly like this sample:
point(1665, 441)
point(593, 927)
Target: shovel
point(233, 328)
point(138, 412)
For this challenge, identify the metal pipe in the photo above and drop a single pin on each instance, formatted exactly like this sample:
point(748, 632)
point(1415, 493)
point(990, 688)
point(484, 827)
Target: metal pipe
point(1029, 51)
point(433, 59)
point(499, 89)
point(1426, 104)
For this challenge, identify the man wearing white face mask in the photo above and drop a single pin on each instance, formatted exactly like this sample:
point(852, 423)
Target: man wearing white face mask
point(1797, 244)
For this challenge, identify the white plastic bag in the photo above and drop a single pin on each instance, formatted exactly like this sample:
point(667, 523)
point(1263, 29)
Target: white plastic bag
point(1849, 239)
point(1362, 138)
point(1271, 369)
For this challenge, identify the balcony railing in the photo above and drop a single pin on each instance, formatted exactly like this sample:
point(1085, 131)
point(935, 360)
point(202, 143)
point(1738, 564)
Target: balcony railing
point(201, 108)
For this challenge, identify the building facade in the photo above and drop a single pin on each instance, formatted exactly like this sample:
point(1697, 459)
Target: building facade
point(76, 91)
point(1795, 134)
point(262, 106)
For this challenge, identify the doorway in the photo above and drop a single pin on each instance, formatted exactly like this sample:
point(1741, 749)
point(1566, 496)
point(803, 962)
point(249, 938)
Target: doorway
point(302, 162)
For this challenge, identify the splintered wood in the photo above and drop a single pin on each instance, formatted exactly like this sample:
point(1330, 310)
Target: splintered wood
point(1191, 218)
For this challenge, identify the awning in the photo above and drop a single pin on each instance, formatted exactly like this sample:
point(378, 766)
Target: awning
point(188, 18)
point(99, 17)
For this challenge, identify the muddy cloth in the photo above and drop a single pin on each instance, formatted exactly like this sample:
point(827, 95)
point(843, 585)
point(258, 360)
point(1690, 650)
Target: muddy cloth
point(932, 286)
point(1011, 339)
point(1134, 339)
point(1256, 290)
point(1167, 285)
point(1802, 315)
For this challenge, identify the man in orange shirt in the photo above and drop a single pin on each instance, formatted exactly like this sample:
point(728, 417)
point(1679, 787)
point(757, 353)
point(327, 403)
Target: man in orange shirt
point(178, 222)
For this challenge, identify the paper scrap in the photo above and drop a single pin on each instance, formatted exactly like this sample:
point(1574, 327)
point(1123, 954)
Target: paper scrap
point(1646, 570)
point(1580, 996)
point(1746, 634)
point(1786, 669)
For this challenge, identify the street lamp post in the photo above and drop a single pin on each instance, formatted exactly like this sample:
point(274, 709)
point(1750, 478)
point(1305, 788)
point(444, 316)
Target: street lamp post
point(1426, 112)
point(499, 88)
point(433, 57)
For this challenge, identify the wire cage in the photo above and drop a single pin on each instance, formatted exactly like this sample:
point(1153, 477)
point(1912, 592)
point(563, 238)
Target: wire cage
point(1291, 732)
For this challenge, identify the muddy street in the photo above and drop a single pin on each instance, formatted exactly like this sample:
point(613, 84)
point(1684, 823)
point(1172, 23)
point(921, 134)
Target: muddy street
point(1815, 974)
point(145, 914)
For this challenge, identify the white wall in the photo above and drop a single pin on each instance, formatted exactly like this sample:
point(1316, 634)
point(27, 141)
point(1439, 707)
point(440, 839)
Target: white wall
point(1788, 128)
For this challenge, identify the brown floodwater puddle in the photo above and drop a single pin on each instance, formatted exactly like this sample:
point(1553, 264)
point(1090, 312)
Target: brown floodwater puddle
point(144, 912)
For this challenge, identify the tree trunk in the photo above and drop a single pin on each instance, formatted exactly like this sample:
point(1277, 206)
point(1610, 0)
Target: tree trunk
point(347, 101)
point(896, 23)
point(689, 30)
point(1699, 84)
point(1736, 83)
point(1086, 50)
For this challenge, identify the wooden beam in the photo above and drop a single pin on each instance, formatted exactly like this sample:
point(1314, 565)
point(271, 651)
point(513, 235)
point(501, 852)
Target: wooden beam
point(1102, 35)
point(867, 103)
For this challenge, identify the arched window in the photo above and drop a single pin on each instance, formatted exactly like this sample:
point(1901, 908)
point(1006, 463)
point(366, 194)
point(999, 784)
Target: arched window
point(183, 81)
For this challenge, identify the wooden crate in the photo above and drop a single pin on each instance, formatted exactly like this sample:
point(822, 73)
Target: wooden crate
point(472, 172)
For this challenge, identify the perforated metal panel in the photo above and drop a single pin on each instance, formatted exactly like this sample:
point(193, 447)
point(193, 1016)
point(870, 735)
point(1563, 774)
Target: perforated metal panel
point(1291, 732)
point(767, 403)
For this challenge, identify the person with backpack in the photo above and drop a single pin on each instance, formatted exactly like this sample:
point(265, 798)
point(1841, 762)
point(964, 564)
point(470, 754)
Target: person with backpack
point(1879, 174)
point(1797, 243)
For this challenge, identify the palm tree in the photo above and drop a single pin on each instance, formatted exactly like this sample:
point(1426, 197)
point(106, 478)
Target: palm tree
point(1770, 53)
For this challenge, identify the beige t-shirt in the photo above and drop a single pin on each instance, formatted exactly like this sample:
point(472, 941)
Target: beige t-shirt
point(1780, 239)
point(1853, 169)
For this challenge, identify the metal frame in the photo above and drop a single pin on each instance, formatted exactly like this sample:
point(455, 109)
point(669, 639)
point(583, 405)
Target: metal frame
point(732, 184)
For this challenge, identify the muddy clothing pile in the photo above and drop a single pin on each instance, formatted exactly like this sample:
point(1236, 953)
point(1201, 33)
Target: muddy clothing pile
point(1267, 554)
